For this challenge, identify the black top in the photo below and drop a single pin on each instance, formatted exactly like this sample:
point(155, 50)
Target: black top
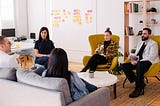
point(44, 46)
point(106, 44)
point(141, 51)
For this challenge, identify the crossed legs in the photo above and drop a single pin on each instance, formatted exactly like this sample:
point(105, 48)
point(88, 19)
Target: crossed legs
point(95, 60)
point(138, 77)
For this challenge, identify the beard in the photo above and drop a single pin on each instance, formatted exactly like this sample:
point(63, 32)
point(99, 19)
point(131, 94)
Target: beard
point(144, 38)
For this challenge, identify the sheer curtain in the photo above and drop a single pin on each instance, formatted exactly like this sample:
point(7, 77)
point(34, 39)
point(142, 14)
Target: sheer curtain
point(7, 14)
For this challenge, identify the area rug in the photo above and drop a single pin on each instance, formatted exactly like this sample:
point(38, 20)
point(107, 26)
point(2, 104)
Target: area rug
point(151, 92)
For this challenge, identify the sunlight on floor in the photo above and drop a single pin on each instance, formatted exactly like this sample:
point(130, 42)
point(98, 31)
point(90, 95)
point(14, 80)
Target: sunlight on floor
point(76, 67)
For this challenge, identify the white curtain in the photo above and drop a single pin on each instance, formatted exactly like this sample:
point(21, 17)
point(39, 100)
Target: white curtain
point(7, 14)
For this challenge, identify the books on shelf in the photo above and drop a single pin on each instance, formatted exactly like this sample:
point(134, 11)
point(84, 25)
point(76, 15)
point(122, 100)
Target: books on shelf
point(133, 7)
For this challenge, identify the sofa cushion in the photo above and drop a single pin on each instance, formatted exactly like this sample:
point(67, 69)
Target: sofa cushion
point(58, 84)
point(8, 73)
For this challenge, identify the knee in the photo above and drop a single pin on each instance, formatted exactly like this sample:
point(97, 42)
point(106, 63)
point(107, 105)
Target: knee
point(122, 66)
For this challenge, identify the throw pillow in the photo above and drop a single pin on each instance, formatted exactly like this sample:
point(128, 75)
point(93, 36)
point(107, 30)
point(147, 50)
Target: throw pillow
point(58, 84)
point(8, 73)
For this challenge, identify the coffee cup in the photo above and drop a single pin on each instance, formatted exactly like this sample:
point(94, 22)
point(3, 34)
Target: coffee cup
point(91, 74)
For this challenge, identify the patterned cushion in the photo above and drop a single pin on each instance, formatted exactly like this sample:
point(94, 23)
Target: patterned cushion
point(58, 84)
point(8, 73)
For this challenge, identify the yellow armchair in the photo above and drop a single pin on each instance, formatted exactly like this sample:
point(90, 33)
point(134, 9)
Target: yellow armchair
point(155, 67)
point(94, 40)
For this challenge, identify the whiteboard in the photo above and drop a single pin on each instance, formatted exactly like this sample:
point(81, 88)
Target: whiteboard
point(72, 22)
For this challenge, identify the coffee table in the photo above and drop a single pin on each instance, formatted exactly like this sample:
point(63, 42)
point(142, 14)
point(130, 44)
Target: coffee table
point(101, 79)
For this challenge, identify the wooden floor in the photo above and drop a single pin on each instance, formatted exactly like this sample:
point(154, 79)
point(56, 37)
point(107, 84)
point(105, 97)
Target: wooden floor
point(156, 102)
point(77, 67)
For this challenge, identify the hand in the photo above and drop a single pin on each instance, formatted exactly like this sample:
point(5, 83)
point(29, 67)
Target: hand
point(103, 55)
point(130, 56)
point(133, 62)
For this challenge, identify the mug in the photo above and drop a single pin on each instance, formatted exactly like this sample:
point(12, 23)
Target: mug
point(91, 75)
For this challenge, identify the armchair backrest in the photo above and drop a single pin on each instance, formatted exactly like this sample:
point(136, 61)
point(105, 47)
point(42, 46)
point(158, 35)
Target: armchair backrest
point(95, 39)
point(157, 39)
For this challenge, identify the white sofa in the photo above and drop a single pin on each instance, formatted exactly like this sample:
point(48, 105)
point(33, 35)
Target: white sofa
point(33, 90)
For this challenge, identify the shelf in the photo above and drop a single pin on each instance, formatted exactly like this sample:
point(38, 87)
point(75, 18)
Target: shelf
point(132, 18)
point(133, 0)
point(136, 13)
point(153, 12)
point(153, 24)
point(139, 0)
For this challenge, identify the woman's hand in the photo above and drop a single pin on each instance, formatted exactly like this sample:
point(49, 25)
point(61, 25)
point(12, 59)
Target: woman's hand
point(103, 55)
point(133, 62)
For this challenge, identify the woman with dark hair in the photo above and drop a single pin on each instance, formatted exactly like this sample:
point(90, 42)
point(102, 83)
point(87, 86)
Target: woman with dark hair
point(43, 47)
point(58, 67)
point(104, 53)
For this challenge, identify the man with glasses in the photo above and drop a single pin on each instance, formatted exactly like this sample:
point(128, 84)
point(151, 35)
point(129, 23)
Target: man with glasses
point(146, 54)
point(5, 48)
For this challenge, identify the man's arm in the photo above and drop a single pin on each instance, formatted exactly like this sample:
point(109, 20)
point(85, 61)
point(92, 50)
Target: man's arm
point(151, 53)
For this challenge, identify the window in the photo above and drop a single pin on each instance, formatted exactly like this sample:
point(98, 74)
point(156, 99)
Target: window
point(7, 9)
point(6, 14)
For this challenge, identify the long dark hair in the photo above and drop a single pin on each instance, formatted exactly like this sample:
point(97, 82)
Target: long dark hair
point(58, 65)
point(42, 29)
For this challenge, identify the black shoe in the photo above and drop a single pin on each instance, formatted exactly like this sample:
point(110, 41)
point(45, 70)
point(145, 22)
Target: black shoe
point(131, 81)
point(83, 70)
point(144, 85)
point(137, 92)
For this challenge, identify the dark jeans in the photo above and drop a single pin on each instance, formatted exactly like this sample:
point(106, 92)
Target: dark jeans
point(39, 70)
point(89, 86)
point(42, 61)
point(141, 68)
point(95, 60)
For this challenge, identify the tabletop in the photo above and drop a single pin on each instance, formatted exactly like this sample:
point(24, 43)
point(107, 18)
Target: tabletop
point(100, 78)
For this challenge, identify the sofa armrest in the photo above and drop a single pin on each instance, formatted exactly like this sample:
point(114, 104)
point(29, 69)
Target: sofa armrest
point(100, 97)
point(19, 94)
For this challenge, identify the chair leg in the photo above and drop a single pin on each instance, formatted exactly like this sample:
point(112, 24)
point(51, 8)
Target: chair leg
point(157, 78)
point(147, 80)
point(110, 71)
point(124, 82)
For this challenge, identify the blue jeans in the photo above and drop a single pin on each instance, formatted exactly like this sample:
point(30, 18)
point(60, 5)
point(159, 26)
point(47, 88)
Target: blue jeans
point(39, 70)
point(89, 86)
point(42, 61)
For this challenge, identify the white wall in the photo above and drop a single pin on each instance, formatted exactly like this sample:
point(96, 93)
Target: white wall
point(109, 13)
point(38, 15)
point(21, 18)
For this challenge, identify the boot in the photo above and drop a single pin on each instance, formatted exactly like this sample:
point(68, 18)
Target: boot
point(84, 69)
point(137, 92)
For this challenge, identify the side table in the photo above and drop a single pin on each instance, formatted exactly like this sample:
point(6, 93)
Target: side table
point(100, 79)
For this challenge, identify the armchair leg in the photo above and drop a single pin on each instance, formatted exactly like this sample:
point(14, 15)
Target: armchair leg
point(110, 71)
point(147, 80)
point(124, 82)
point(157, 78)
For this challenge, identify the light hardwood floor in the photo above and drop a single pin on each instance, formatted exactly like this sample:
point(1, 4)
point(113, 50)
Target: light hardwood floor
point(156, 102)
point(76, 67)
